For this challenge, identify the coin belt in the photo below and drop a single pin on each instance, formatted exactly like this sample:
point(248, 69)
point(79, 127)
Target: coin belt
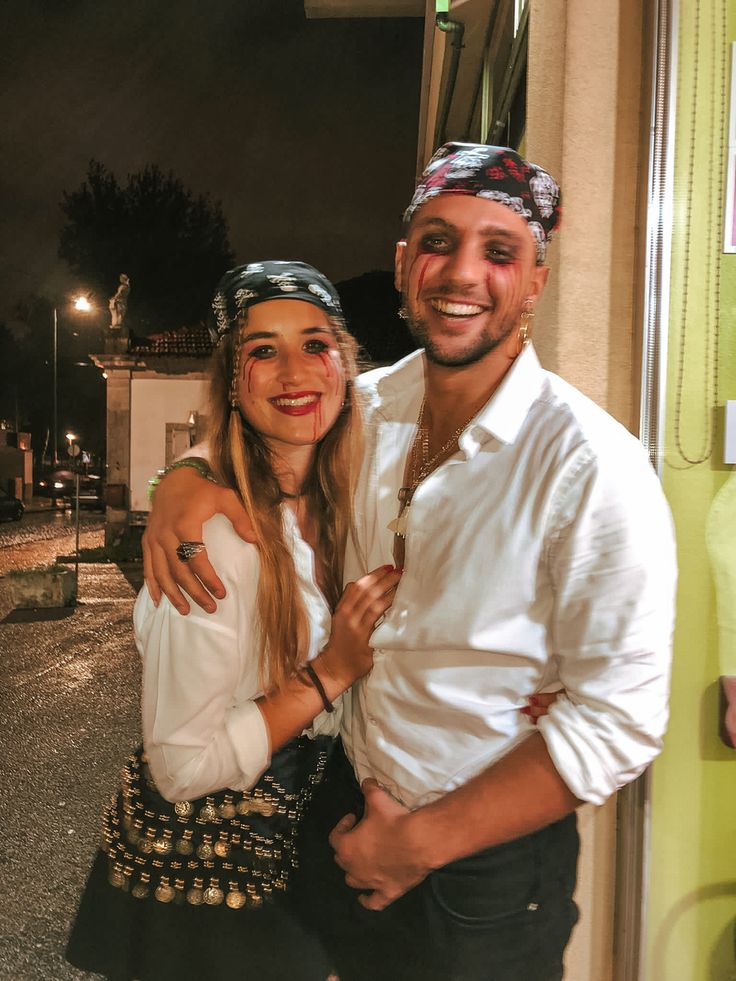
point(204, 852)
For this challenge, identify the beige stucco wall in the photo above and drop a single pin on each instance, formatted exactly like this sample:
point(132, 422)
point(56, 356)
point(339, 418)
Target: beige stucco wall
point(583, 124)
point(584, 117)
point(155, 401)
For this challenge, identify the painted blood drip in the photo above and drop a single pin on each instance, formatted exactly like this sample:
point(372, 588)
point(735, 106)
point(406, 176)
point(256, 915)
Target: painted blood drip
point(251, 366)
point(317, 422)
point(423, 273)
point(330, 373)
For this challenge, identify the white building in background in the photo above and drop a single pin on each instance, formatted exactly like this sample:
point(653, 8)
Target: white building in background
point(156, 405)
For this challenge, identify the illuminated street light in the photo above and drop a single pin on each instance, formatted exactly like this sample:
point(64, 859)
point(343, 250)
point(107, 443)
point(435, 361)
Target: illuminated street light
point(71, 437)
point(81, 303)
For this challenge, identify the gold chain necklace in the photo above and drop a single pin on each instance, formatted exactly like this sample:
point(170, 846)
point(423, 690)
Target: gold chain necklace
point(419, 473)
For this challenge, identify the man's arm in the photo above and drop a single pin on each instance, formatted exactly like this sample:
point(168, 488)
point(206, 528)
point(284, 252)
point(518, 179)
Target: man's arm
point(393, 849)
point(181, 504)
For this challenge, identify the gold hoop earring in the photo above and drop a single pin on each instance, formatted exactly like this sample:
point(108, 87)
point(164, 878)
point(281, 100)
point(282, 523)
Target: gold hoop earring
point(526, 325)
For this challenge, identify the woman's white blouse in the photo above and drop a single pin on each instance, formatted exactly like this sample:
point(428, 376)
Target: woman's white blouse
point(202, 731)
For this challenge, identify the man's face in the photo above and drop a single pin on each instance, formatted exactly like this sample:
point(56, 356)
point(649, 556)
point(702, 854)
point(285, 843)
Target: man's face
point(465, 270)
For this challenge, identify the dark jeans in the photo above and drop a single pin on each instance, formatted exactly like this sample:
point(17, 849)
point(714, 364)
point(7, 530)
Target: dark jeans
point(503, 914)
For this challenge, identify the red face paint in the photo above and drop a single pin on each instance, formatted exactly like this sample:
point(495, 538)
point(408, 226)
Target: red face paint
point(251, 366)
point(427, 259)
point(317, 430)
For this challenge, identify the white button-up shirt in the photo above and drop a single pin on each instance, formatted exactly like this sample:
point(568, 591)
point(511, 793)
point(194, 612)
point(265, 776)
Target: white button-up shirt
point(202, 731)
point(541, 554)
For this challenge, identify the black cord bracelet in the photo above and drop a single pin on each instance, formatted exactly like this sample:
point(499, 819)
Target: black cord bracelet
point(314, 678)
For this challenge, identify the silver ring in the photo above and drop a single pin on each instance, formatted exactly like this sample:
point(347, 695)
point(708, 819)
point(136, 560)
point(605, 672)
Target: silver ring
point(187, 550)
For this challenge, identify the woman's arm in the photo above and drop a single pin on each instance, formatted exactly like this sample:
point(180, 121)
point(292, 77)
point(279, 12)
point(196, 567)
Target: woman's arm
point(197, 738)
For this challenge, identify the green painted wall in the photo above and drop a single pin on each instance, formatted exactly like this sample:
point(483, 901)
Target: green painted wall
point(692, 903)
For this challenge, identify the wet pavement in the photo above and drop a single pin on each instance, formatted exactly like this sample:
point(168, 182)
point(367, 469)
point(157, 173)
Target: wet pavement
point(39, 536)
point(69, 700)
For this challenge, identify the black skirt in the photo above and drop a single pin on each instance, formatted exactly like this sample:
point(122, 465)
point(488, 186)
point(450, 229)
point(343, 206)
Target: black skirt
point(200, 889)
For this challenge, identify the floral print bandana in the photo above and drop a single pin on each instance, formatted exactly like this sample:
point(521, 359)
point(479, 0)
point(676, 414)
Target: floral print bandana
point(256, 282)
point(497, 173)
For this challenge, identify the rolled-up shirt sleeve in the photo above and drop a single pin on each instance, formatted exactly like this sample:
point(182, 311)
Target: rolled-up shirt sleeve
point(613, 569)
point(202, 731)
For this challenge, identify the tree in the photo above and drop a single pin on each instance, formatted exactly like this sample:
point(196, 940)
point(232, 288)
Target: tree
point(171, 242)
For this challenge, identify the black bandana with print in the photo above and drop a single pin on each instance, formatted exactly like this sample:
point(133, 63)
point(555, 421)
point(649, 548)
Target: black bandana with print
point(496, 173)
point(256, 282)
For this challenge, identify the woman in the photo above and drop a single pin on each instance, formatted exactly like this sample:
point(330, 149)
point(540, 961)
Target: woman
point(205, 824)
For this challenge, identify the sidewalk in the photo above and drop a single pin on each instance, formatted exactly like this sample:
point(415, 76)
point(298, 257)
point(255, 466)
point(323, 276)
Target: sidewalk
point(71, 714)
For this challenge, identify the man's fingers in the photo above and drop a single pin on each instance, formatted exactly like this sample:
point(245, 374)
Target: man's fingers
point(354, 883)
point(233, 509)
point(161, 576)
point(374, 900)
point(201, 567)
point(148, 577)
point(345, 824)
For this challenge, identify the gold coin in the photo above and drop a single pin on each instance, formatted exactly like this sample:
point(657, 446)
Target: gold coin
point(208, 812)
point(116, 878)
point(184, 846)
point(213, 896)
point(162, 846)
point(164, 894)
point(139, 890)
point(245, 806)
point(235, 899)
point(267, 809)
point(195, 897)
point(145, 846)
point(255, 900)
point(222, 849)
point(183, 808)
point(205, 850)
point(227, 811)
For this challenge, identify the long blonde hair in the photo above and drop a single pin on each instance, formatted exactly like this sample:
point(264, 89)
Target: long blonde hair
point(241, 459)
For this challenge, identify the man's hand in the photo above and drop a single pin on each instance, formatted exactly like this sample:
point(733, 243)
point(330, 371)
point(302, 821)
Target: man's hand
point(376, 853)
point(183, 501)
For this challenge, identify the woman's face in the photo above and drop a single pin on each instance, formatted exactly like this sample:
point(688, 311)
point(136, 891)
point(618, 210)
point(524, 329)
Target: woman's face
point(291, 383)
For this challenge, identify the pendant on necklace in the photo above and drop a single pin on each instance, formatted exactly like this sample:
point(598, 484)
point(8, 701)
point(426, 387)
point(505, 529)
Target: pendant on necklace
point(399, 524)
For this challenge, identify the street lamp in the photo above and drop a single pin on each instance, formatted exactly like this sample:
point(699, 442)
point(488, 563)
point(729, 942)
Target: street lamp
point(82, 304)
point(73, 451)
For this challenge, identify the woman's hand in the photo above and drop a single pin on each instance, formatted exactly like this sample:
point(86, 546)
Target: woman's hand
point(183, 501)
point(348, 655)
point(539, 704)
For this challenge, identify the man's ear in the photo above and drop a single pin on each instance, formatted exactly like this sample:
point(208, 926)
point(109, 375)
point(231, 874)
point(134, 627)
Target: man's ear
point(399, 263)
point(539, 281)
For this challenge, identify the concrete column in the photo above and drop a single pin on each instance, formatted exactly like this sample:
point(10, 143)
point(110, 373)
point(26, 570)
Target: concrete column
point(583, 123)
point(118, 455)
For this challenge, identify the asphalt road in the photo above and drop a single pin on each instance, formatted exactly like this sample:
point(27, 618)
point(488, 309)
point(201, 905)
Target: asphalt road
point(69, 691)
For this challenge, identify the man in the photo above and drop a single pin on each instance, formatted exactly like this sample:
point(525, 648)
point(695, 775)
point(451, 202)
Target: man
point(537, 551)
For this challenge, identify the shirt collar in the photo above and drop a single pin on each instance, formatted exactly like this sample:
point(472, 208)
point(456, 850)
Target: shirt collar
point(502, 416)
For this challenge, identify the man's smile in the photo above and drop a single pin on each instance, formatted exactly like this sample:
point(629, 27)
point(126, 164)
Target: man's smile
point(450, 308)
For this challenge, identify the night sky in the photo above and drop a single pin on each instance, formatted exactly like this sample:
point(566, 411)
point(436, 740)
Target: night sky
point(304, 130)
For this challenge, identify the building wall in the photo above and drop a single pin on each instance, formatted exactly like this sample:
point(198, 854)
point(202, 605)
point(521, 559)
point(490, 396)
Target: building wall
point(156, 401)
point(584, 104)
point(692, 908)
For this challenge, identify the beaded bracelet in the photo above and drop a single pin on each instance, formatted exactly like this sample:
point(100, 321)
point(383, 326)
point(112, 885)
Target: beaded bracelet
point(196, 462)
point(314, 678)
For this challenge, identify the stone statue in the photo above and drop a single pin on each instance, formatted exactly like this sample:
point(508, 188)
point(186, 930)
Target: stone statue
point(119, 303)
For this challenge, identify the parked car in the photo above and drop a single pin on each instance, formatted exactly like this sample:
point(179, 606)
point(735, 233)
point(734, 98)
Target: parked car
point(91, 492)
point(11, 509)
point(56, 484)
point(59, 486)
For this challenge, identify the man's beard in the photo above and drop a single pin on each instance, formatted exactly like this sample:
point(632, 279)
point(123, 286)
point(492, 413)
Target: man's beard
point(476, 350)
